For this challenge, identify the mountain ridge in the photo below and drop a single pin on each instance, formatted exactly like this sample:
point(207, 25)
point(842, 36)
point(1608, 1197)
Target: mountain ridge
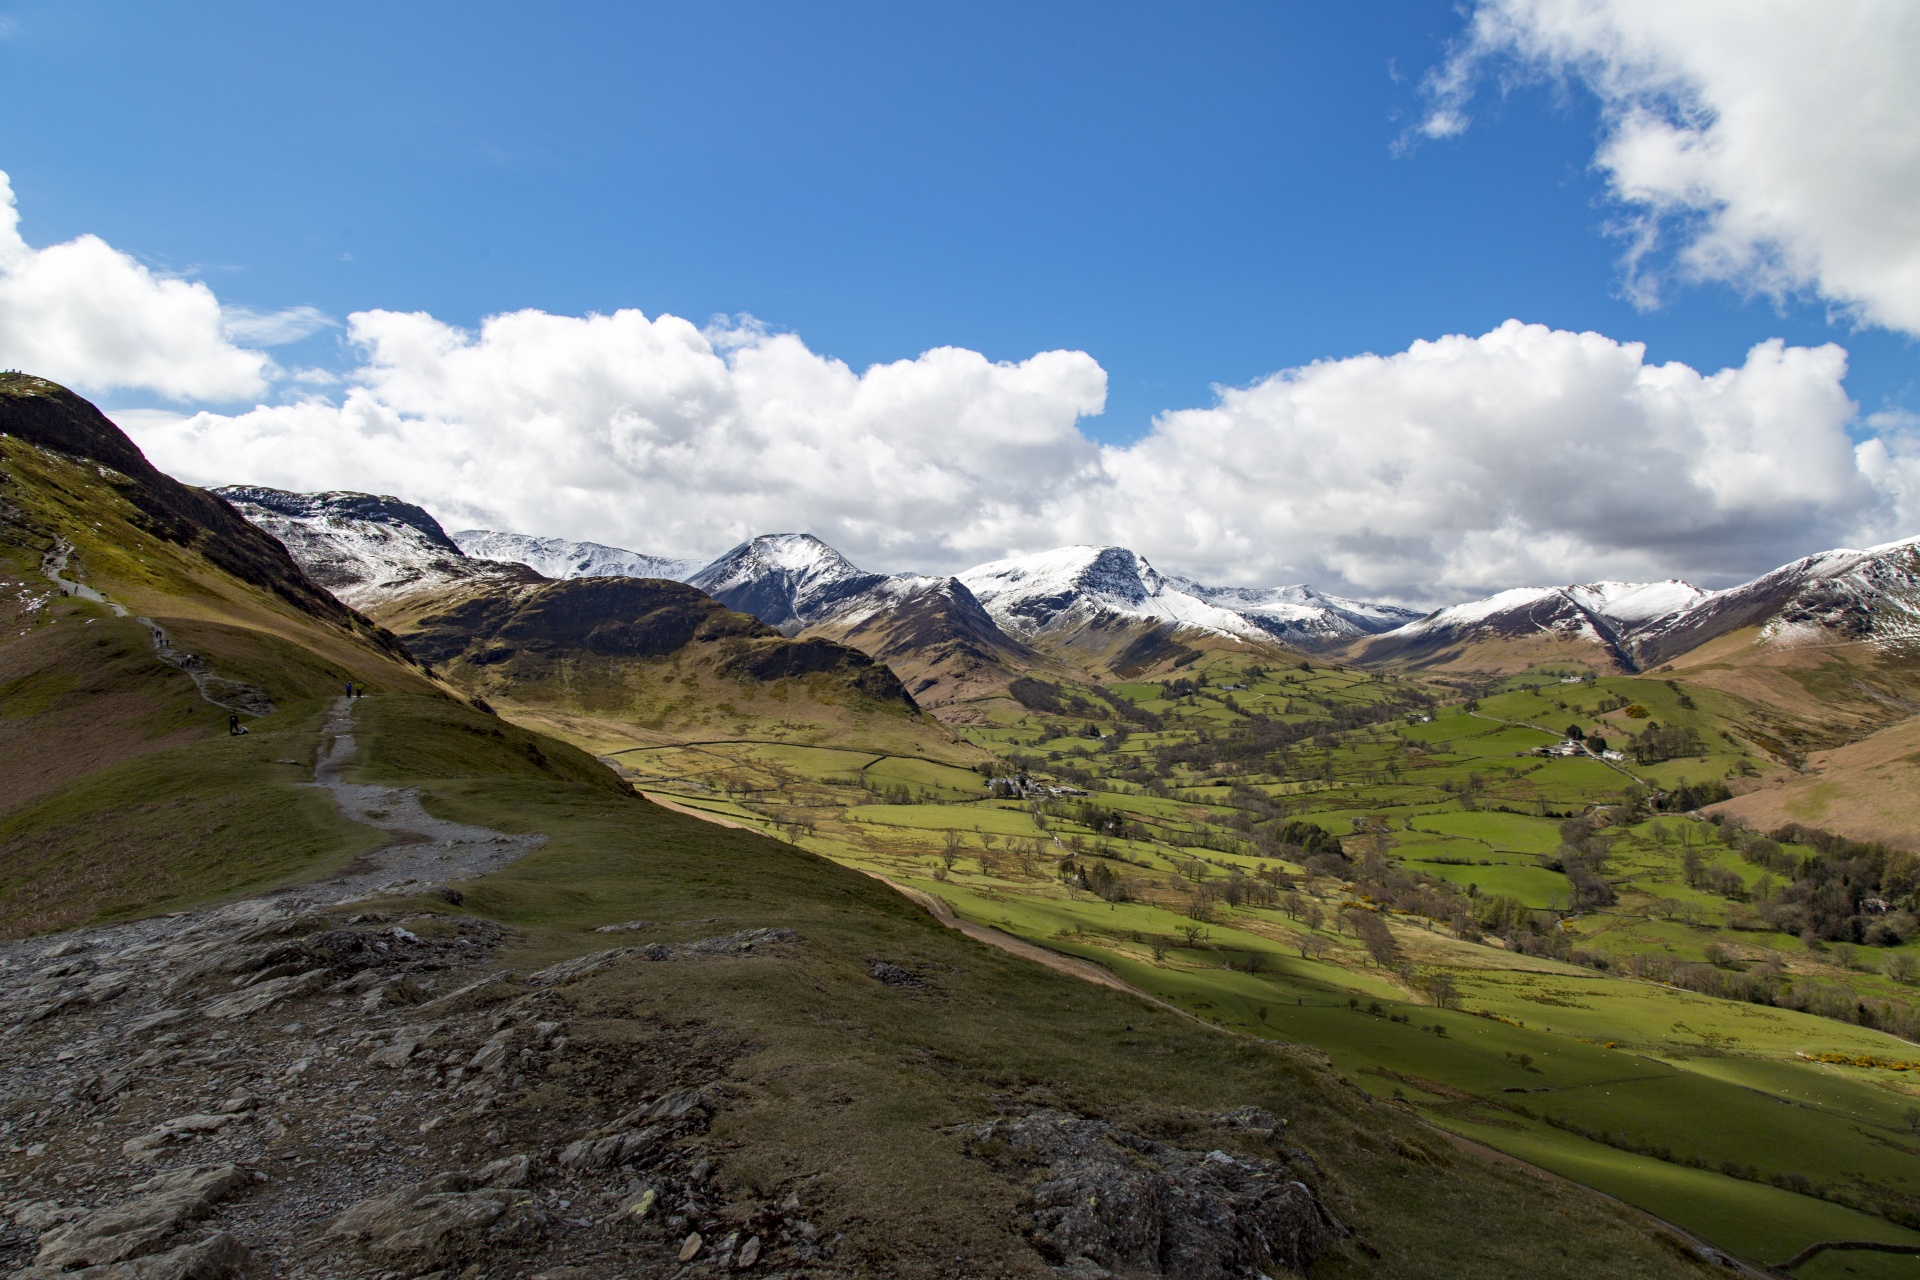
point(561, 558)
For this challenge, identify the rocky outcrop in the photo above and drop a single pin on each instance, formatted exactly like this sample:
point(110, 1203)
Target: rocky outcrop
point(102, 1241)
point(1112, 1203)
point(445, 1219)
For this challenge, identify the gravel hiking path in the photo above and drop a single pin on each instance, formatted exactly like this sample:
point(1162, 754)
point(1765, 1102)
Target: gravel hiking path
point(427, 852)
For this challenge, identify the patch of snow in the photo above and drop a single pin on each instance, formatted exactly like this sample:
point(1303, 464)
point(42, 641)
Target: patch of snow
point(560, 558)
point(1631, 603)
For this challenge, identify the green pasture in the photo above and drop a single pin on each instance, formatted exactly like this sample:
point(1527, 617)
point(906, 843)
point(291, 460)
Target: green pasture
point(1535, 886)
point(1507, 832)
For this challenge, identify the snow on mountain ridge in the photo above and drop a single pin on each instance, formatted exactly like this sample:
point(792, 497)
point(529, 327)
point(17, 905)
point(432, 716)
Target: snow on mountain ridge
point(362, 547)
point(1051, 590)
point(559, 558)
point(1634, 602)
point(1299, 612)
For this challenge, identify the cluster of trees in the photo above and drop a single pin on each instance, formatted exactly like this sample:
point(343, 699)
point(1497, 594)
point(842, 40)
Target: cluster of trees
point(1687, 797)
point(1847, 891)
point(899, 793)
point(1721, 880)
point(1235, 890)
point(1582, 857)
point(1096, 877)
point(1665, 742)
point(1259, 743)
point(1100, 820)
point(1770, 984)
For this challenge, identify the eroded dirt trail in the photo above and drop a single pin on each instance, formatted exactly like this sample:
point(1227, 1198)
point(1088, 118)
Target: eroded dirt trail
point(428, 853)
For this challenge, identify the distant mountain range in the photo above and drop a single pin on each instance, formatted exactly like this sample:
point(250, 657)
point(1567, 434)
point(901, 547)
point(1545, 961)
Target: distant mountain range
point(1870, 596)
point(1105, 611)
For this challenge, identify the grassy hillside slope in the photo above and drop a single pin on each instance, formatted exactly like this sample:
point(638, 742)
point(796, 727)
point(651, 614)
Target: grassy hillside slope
point(121, 789)
point(854, 1091)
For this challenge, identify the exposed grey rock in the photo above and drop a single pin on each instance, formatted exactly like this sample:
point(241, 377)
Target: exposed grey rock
point(139, 1226)
point(475, 995)
point(507, 1171)
point(894, 976)
point(744, 943)
point(1255, 1119)
point(580, 966)
point(614, 1149)
point(406, 1041)
point(215, 1258)
point(628, 926)
point(1140, 1208)
point(441, 1220)
point(265, 995)
point(39, 1215)
point(158, 1020)
point(490, 1055)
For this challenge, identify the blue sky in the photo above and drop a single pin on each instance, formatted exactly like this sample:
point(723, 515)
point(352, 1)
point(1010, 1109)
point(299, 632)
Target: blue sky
point(1022, 275)
point(1193, 194)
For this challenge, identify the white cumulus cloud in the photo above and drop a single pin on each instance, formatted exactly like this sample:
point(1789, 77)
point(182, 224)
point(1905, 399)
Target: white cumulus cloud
point(1771, 144)
point(655, 434)
point(1524, 455)
point(1459, 465)
point(85, 314)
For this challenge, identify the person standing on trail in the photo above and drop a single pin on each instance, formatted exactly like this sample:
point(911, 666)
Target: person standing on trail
point(349, 688)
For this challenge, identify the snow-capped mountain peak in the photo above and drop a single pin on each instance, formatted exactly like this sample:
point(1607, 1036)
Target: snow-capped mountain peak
point(1069, 586)
point(787, 580)
point(559, 558)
